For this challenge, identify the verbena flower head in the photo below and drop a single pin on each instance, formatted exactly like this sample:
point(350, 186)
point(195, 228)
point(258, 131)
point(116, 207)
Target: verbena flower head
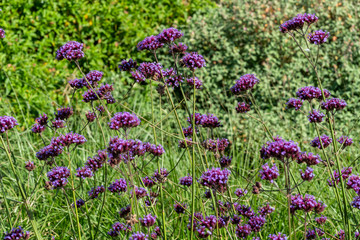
point(138, 76)
point(243, 231)
point(52, 150)
point(148, 220)
point(333, 104)
point(236, 219)
point(79, 203)
point(71, 51)
point(149, 181)
point(178, 48)
point(150, 43)
point(298, 22)
point(354, 183)
point(180, 207)
point(321, 220)
point(169, 35)
point(269, 173)
point(278, 236)
point(215, 178)
point(139, 192)
point(306, 203)
point(150, 70)
point(356, 202)
point(266, 210)
point(68, 139)
point(239, 192)
point(2, 33)
point(58, 176)
point(345, 141)
point(84, 172)
point(245, 82)
point(7, 123)
point(124, 120)
point(294, 103)
point(118, 186)
point(37, 128)
point(193, 61)
point(93, 77)
point(16, 234)
point(280, 149)
point(340, 234)
point(318, 37)
point(125, 211)
point(188, 132)
point(198, 82)
point(42, 119)
point(325, 140)
point(218, 145)
point(90, 116)
point(256, 223)
point(30, 166)
point(156, 150)
point(77, 83)
point(139, 236)
point(186, 181)
point(96, 162)
point(198, 118)
point(119, 227)
point(64, 113)
point(315, 116)
point(310, 92)
point(309, 158)
point(58, 124)
point(308, 174)
point(210, 121)
point(172, 78)
point(161, 174)
point(127, 65)
point(242, 107)
point(225, 161)
point(96, 191)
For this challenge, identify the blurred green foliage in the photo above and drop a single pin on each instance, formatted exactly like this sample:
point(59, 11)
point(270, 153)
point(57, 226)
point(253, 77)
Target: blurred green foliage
point(110, 30)
point(242, 37)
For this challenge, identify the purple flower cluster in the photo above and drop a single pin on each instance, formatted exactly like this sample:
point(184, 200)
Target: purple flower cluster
point(150, 43)
point(244, 83)
point(306, 203)
point(256, 223)
point(68, 139)
point(309, 93)
point(198, 82)
point(354, 183)
point(148, 220)
point(309, 158)
point(266, 210)
point(325, 140)
point(218, 145)
point(356, 202)
point(71, 51)
point(239, 192)
point(30, 166)
point(315, 116)
point(58, 124)
point(7, 123)
point(139, 192)
point(52, 150)
point(210, 121)
point(178, 48)
point(119, 227)
point(124, 120)
point(321, 220)
point(345, 141)
point(193, 61)
point(333, 104)
point(269, 173)
point(58, 176)
point(278, 236)
point(294, 103)
point(169, 35)
point(103, 92)
point(280, 149)
point(79, 203)
point(345, 173)
point(2, 33)
point(242, 107)
point(186, 181)
point(118, 186)
point(139, 236)
point(180, 207)
point(318, 37)
point(127, 65)
point(243, 231)
point(298, 22)
point(84, 172)
point(215, 178)
point(17, 234)
point(150, 70)
point(172, 78)
point(96, 191)
point(90, 116)
point(63, 113)
point(225, 161)
point(308, 174)
point(96, 162)
point(138, 77)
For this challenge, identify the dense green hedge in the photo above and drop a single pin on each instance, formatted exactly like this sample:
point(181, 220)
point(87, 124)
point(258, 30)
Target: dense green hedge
point(110, 30)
